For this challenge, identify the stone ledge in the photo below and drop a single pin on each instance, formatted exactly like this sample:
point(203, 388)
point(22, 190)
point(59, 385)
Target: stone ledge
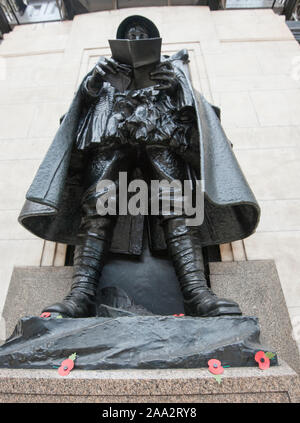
point(256, 287)
point(277, 384)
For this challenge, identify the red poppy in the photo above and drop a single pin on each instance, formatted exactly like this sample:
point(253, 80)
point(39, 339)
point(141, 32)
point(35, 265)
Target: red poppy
point(214, 366)
point(65, 367)
point(45, 314)
point(178, 315)
point(262, 360)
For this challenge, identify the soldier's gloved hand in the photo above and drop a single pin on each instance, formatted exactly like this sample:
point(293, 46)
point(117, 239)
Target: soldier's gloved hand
point(103, 68)
point(165, 76)
point(103, 71)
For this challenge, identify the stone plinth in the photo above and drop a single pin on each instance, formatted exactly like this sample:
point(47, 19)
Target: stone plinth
point(253, 284)
point(256, 287)
point(277, 384)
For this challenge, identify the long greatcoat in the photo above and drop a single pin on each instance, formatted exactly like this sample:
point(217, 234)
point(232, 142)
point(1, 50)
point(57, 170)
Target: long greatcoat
point(52, 207)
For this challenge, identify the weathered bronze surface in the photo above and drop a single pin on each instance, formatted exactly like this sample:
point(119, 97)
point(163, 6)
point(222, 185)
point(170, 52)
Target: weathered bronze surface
point(133, 341)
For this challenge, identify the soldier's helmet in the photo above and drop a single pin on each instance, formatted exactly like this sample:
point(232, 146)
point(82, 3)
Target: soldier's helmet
point(134, 21)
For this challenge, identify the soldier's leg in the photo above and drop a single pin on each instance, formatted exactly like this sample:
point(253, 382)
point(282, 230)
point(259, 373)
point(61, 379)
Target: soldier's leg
point(89, 259)
point(184, 246)
point(95, 234)
point(185, 249)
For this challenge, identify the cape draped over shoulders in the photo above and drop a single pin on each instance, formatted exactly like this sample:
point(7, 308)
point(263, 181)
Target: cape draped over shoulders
point(52, 207)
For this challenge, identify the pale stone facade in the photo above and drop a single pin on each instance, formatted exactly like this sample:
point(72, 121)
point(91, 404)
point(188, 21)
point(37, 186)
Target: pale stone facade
point(245, 61)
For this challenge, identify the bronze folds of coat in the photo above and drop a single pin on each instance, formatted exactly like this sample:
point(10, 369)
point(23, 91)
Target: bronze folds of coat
point(52, 208)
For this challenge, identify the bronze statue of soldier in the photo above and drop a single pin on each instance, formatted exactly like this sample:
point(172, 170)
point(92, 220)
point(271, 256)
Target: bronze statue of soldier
point(144, 113)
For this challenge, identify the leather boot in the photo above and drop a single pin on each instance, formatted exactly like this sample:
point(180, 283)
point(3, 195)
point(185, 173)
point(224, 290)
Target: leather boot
point(89, 259)
point(185, 248)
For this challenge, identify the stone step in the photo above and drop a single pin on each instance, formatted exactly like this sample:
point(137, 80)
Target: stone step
point(278, 384)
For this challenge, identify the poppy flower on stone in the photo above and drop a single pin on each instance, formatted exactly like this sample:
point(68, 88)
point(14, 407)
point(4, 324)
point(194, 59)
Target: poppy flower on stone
point(46, 314)
point(65, 367)
point(262, 360)
point(178, 315)
point(214, 366)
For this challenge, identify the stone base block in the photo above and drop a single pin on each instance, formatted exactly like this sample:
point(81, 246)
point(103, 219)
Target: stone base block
point(278, 384)
point(255, 285)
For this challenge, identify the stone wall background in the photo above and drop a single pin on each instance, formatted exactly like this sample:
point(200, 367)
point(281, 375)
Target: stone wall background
point(244, 61)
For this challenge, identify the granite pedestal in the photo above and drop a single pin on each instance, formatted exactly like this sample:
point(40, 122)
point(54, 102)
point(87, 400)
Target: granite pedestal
point(279, 384)
point(254, 285)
